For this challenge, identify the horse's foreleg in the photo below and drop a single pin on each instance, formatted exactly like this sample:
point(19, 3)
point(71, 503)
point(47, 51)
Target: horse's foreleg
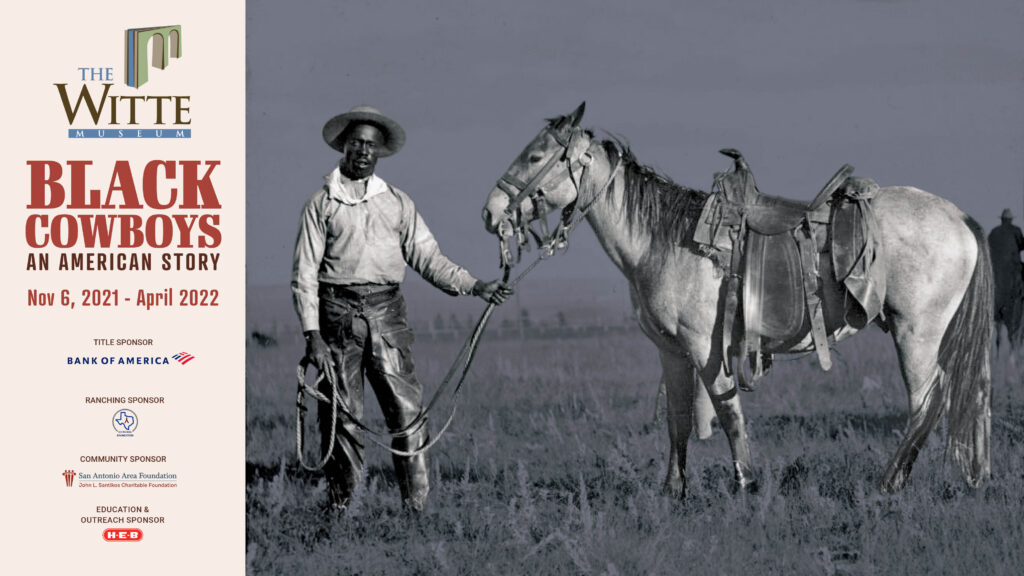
point(703, 410)
point(677, 376)
point(724, 398)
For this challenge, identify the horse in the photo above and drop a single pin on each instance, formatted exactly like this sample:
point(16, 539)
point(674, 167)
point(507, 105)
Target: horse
point(937, 304)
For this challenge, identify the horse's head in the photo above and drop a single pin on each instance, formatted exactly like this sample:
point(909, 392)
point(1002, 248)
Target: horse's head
point(543, 178)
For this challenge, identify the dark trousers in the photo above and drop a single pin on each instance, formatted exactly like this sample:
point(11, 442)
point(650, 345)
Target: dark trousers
point(367, 331)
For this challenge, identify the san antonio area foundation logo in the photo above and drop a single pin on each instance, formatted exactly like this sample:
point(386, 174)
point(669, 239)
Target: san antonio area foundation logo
point(166, 44)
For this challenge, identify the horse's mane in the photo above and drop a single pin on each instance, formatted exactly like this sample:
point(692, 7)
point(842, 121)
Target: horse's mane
point(654, 203)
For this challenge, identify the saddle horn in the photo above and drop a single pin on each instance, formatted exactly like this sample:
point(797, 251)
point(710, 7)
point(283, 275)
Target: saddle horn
point(740, 163)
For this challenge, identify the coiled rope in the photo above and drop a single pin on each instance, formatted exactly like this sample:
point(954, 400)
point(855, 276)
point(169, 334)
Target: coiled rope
point(463, 359)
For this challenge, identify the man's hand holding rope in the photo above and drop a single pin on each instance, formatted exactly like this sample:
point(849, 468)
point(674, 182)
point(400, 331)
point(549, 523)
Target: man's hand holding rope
point(493, 292)
point(319, 354)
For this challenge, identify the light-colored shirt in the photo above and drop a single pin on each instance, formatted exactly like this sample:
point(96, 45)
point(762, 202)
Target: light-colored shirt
point(346, 237)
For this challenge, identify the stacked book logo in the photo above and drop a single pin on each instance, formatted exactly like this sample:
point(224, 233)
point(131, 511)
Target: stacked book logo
point(142, 45)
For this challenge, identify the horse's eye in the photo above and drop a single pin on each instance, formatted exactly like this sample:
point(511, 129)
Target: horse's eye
point(535, 158)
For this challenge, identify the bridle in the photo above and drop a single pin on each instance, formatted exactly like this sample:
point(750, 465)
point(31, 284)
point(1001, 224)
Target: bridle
point(572, 155)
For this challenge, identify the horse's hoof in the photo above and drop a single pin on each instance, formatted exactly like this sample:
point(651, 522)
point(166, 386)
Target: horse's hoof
point(891, 483)
point(748, 487)
point(743, 479)
point(675, 488)
point(886, 487)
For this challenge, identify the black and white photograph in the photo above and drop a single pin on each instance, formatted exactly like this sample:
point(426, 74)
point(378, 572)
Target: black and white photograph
point(638, 287)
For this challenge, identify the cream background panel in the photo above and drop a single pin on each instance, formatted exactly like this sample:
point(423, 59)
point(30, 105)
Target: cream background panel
point(47, 426)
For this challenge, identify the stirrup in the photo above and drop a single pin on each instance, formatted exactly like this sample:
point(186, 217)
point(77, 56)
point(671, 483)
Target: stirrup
point(759, 362)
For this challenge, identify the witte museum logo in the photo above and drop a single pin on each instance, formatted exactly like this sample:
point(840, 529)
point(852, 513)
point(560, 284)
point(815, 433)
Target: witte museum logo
point(96, 109)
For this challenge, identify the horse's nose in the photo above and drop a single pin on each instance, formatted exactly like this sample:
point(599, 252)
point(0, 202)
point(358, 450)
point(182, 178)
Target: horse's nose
point(494, 210)
point(488, 221)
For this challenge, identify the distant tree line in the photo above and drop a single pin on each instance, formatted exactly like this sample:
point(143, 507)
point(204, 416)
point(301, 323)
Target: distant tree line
point(523, 327)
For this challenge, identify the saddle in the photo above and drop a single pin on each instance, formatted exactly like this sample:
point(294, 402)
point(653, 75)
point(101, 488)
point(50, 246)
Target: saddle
point(771, 248)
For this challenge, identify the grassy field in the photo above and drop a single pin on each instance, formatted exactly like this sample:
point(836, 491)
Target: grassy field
point(554, 465)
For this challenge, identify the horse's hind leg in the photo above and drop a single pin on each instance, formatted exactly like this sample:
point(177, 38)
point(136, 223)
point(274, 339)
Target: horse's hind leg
point(917, 348)
point(679, 387)
point(923, 311)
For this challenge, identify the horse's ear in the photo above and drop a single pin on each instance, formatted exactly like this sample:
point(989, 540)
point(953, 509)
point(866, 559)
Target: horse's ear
point(577, 114)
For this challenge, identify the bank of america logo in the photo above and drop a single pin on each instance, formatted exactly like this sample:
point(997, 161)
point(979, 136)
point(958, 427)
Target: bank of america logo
point(183, 358)
point(142, 46)
point(69, 478)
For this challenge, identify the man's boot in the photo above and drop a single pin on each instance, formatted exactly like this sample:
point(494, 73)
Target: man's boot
point(341, 485)
point(413, 478)
point(338, 498)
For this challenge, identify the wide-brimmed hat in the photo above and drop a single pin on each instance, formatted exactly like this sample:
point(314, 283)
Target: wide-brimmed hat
point(394, 136)
point(1007, 214)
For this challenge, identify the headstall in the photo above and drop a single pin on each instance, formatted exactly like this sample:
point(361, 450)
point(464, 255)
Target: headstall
point(572, 155)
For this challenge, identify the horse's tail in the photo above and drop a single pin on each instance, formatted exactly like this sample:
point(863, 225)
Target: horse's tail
point(966, 379)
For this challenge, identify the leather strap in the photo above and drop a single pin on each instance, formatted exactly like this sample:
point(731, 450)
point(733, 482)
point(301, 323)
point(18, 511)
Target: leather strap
point(753, 289)
point(732, 293)
point(833, 184)
point(361, 295)
point(518, 190)
point(809, 258)
point(724, 396)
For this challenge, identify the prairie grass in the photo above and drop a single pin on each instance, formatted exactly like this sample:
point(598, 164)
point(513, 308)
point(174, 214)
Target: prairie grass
point(554, 465)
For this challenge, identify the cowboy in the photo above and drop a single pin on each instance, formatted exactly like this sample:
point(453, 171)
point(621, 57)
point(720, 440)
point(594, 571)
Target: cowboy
point(356, 235)
point(1005, 244)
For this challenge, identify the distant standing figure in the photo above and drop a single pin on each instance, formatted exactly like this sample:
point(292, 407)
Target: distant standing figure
point(1006, 242)
point(356, 236)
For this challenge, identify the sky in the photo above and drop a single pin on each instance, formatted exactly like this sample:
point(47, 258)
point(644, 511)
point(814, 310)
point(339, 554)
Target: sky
point(910, 92)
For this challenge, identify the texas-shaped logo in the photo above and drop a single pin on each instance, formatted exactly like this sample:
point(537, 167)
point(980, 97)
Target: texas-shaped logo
point(125, 421)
